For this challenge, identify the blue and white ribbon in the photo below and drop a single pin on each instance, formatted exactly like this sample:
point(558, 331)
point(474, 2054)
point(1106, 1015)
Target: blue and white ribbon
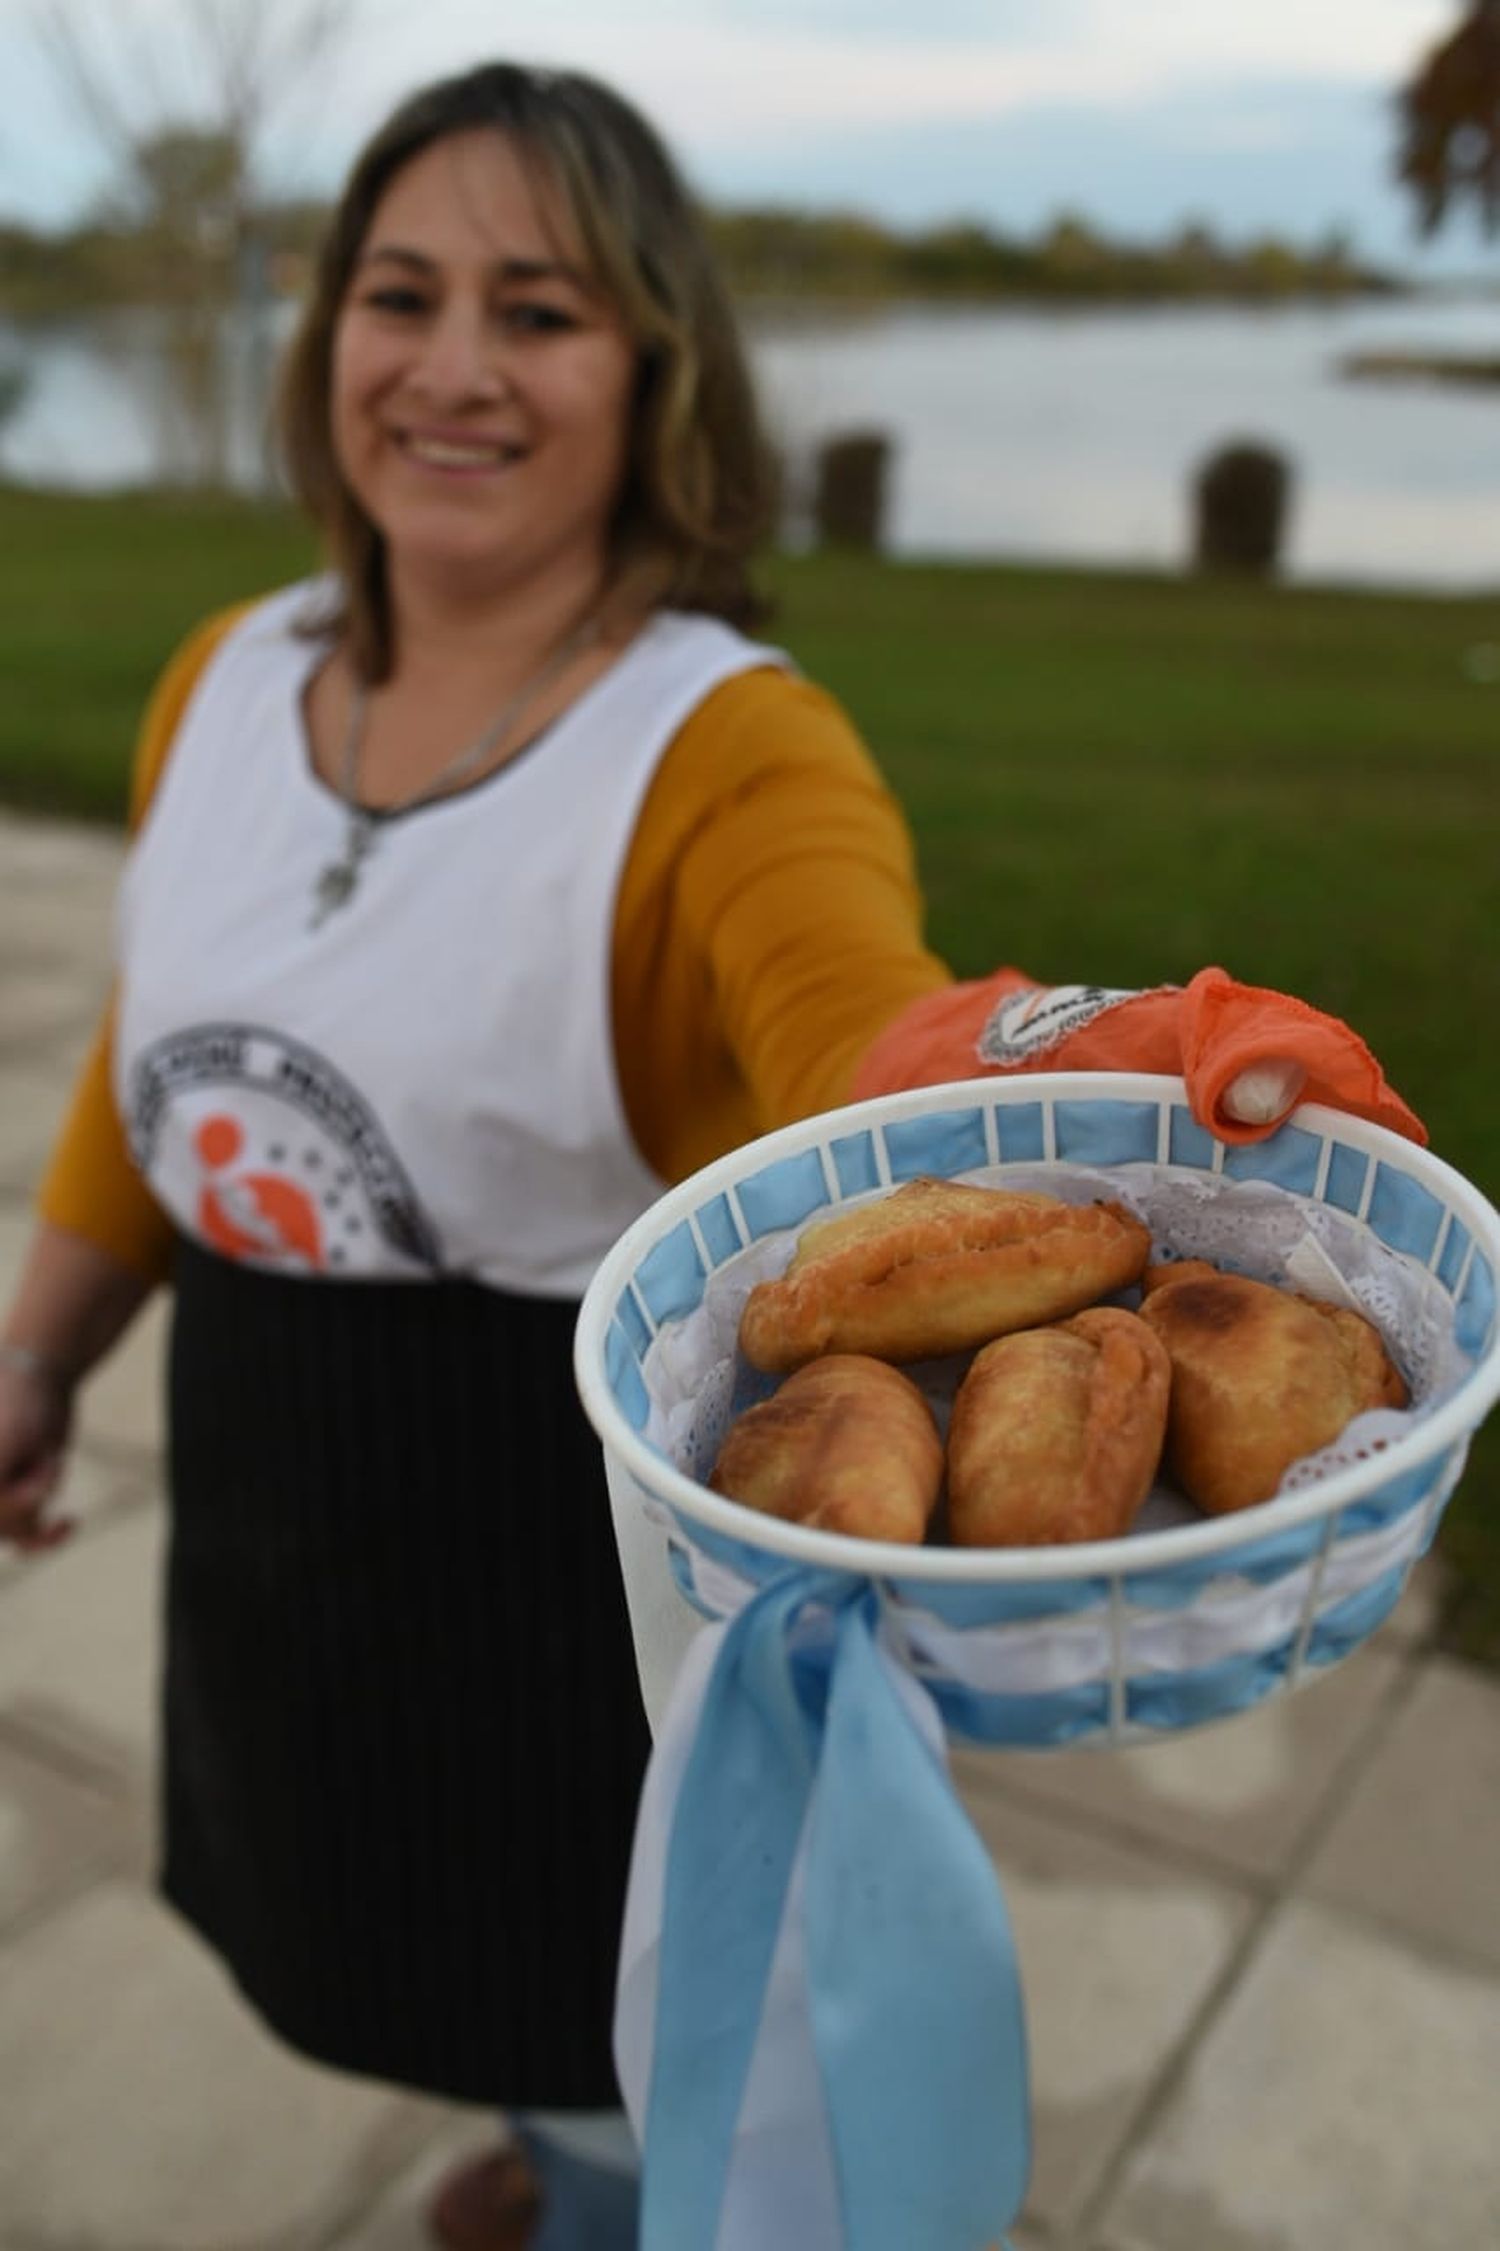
point(820, 2029)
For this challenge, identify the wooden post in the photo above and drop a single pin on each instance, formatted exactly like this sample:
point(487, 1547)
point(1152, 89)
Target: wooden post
point(1241, 496)
point(849, 493)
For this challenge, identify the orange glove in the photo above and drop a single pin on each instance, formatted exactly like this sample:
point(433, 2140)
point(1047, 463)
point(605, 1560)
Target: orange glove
point(1248, 1055)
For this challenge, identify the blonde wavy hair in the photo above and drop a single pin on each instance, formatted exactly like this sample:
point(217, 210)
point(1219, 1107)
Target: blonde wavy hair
point(700, 490)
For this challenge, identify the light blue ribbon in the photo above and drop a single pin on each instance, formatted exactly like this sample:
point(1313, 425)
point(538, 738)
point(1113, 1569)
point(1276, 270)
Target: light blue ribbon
point(915, 1998)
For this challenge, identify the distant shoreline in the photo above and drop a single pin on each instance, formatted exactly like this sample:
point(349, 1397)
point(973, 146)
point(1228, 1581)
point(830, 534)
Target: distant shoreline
point(1478, 371)
point(790, 308)
point(793, 306)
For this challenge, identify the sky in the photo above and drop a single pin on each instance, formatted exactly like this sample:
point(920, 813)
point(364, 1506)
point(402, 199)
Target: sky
point(1248, 115)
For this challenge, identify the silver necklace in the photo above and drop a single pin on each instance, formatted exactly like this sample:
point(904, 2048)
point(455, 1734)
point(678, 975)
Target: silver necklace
point(339, 880)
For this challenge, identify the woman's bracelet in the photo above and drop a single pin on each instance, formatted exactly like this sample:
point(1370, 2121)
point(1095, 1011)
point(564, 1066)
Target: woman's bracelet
point(41, 1366)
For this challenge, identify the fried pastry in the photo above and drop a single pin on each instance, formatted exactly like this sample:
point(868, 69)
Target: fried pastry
point(847, 1444)
point(937, 1267)
point(1260, 1377)
point(1057, 1432)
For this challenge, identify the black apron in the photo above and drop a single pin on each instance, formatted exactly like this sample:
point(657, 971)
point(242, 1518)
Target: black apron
point(404, 1736)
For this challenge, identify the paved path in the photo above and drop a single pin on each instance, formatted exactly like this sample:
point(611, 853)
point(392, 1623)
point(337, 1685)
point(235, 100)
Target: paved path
point(1262, 1961)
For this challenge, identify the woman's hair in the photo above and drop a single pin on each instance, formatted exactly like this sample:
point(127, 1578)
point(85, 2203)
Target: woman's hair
point(700, 482)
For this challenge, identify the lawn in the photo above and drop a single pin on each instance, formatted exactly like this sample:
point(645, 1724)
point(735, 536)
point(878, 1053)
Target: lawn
point(1112, 778)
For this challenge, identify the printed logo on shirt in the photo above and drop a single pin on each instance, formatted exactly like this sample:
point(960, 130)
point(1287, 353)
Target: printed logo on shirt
point(264, 1152)
point(1028, 1023)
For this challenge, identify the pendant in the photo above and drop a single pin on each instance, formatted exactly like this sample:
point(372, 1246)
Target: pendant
point(338, 882)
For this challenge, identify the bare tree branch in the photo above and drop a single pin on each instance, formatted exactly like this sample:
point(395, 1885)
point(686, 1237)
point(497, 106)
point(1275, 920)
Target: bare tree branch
point(258, 55)
point(225, 67)
point(76, 54)
point(181, 96)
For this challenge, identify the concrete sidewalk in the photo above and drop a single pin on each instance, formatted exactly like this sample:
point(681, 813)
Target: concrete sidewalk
point(1262, 1962)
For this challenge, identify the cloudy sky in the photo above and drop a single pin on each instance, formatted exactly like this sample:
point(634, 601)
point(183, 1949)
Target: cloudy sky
point(1249, 114)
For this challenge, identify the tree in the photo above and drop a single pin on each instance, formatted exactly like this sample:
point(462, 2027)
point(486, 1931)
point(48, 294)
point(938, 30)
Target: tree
point(192, 194)
point(1071, 255)
point(210, 72)
point(1450, 112)
point(181, 97)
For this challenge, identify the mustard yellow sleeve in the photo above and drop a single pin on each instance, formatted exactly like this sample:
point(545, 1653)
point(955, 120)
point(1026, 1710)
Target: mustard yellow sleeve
point(768, 923)
point(91, 1186)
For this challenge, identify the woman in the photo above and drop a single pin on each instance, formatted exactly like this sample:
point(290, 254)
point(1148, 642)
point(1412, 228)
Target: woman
point(485, 885)
point(480, 887)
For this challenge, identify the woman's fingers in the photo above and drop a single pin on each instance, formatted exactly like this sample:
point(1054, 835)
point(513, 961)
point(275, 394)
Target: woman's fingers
point(33, 1534)
point(24, 1502)
point(1264, 1092)
point(35, 1415)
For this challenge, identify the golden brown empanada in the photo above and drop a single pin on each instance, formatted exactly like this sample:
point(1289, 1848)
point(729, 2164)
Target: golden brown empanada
point(1260, 1377)
point(846, 1445)
point(937, 1267)
point(1057, 1432)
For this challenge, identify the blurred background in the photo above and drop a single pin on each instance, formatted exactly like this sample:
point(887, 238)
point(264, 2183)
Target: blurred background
point(1055, 254)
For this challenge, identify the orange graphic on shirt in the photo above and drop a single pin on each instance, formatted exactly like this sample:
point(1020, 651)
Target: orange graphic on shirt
point(252, 1214)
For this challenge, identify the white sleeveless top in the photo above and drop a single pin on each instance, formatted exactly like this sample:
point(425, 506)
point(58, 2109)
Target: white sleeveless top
point(425, 1082)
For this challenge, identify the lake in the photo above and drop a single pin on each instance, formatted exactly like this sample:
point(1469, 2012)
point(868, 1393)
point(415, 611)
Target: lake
point(1055, 435)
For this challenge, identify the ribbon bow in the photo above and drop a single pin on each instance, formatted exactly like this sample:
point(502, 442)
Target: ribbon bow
point(822, 1887)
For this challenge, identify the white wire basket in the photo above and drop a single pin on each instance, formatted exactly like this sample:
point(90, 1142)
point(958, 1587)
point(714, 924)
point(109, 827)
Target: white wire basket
point(1183, 1621)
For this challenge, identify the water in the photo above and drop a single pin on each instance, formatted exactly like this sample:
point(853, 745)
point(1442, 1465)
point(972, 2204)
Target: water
point(1055, 435)
point(131, 398)
point(1076, 435)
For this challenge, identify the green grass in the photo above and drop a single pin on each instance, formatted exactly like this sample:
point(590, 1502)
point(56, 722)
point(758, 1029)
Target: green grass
point(94, 595)
point(1112, 778)
point(1118, 779)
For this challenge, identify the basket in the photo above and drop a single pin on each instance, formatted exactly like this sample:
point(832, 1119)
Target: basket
point(789, 1727)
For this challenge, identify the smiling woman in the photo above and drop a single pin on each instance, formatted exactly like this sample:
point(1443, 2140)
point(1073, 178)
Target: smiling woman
point(482, 884)
point(481, 383)
point(565, 259)
point(480, 393)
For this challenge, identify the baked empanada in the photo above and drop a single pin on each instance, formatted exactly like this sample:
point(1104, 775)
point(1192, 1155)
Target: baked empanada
point(1057, 1432)
point(937, 1267)
point(1260, 1377)
point(847, 1444)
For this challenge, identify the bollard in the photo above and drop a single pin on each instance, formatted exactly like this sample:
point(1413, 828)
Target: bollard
point(849, 494)
point(1241, 495)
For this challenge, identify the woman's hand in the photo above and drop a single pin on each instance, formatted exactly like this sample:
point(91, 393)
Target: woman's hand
point(1248, 1054)
point(71, 1303)
point(36, 1415)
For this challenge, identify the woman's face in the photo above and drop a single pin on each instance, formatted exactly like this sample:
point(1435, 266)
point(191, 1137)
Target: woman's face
point(481, 385)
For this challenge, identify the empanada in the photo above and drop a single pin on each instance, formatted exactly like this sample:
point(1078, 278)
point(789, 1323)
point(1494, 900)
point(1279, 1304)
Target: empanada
point(938, 1267)
point(846, 1445)
point(1057, 1432)
point(1260, 1377)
